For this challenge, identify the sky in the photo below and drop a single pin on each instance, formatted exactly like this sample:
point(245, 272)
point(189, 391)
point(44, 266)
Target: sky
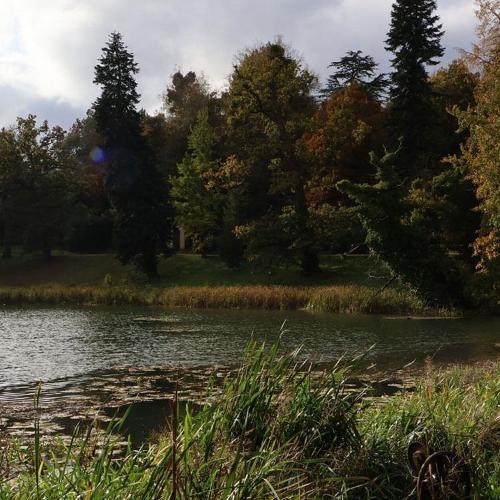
point(48, 48)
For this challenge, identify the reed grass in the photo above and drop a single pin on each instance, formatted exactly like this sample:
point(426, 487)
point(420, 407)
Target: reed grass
point(344, 299)
point(278, 431)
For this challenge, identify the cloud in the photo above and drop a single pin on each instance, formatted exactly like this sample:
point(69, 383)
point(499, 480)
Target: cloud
point(48, 49)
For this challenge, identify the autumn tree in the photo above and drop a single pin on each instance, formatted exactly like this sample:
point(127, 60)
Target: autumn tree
point(270, 103)
point(414, 38)
point(142, 226)
point(452, 87)
point(481, 152)
point(345, 129)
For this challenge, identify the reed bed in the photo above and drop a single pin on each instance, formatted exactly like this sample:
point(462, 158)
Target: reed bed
point(345, 299)
point(278, 431)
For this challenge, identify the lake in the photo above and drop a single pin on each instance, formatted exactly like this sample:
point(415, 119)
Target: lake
point(64, 346)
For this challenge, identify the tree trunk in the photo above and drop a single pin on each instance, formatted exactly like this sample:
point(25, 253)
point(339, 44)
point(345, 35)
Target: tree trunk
point(46, 249)
point(309, 260)
point(149, 263)
point(7, 241)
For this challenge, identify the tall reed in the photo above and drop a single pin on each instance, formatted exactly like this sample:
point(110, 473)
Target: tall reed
point(331, 299)
point(278, 430)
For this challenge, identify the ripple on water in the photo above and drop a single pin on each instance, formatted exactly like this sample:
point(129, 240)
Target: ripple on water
point(65, 347)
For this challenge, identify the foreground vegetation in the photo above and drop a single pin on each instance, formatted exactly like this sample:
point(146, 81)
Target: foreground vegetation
point(277, 430)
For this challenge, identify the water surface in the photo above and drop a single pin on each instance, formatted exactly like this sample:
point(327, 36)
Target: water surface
point(65, 346)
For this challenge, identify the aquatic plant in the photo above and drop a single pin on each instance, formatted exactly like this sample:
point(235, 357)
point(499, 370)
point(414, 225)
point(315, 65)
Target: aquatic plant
point(343, 299)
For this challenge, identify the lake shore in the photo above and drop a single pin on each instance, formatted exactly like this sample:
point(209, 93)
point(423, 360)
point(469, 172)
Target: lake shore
point(345, 284)
point(342, 299)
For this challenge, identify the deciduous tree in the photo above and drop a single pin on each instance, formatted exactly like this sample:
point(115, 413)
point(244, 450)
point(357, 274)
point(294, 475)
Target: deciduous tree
point(270, 103)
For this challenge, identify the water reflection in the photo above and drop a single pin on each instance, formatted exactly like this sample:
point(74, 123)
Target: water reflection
point(60, 345)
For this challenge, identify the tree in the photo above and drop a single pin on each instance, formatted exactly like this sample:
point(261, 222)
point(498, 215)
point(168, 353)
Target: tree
point(270, 103)
point(198, 207)
point(359, 69)
point(183, 99)
point(345, 129)
point(139, 198)
point(400, 237)
point(44, 204)
point(11, 187)
point(452, 87)
point(481, 152)
point(447, 206)
point(414, 39)
point(94, 230)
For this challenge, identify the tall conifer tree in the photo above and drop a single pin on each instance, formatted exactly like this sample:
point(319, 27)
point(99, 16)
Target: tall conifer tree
point(415, 40)
point(355, 68)
point(138, 195)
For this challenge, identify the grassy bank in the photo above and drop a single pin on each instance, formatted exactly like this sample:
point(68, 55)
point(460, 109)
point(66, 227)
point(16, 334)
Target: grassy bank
point(69, 269)
point(279, 431)
point(352, 284)
point(333, 299)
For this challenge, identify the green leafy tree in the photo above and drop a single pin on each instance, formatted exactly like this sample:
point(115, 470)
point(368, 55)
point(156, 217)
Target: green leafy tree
point(12, 178)
point(46, 204)
point(186, 95)
point(356, 68)
point(446, 204)
point(414, 39)
point(139, 198)
point(94, 230)
point(198, 206)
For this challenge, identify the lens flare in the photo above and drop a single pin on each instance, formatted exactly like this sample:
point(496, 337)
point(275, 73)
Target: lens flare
point(98, 155)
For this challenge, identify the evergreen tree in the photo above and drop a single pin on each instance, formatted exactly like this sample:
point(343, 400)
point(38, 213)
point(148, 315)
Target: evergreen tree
point(398, 234)
point(359, 69)
point(137, 192)
point(414, 39)
point(197, 206)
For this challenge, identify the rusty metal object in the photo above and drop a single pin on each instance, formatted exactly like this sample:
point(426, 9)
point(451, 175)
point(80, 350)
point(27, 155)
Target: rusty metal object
point(438, 475)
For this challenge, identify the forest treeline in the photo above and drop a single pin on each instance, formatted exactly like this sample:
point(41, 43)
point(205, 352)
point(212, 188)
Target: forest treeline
point(277, 167)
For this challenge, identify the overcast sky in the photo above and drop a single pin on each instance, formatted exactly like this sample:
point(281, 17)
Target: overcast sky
point(48, 49)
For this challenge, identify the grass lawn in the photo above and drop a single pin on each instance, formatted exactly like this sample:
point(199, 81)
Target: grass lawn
point(185, 270)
